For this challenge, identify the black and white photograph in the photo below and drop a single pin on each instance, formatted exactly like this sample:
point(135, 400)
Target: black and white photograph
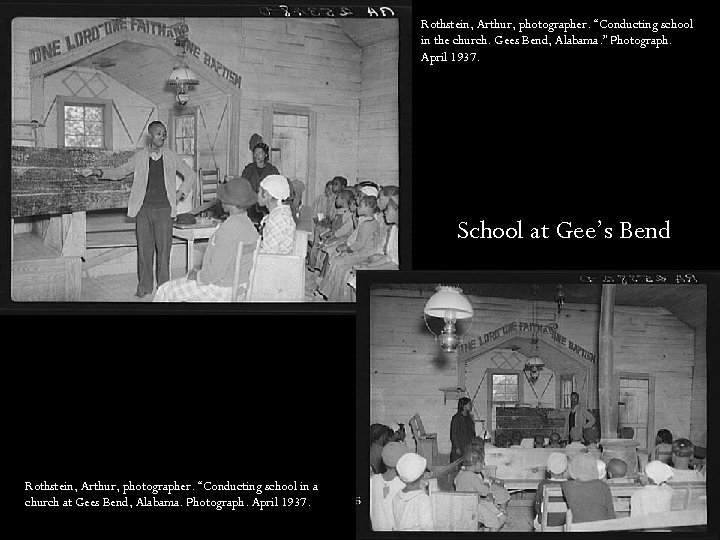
point(200, 159)
point(547, 404)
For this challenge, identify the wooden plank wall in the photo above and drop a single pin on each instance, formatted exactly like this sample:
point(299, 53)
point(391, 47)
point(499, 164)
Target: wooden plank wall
point(378, 158)
point(698, 407)
point(293, 62)
point(407, 367)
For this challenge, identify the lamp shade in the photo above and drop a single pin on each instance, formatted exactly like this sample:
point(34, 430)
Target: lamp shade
point(182, 75)
point(450, 303)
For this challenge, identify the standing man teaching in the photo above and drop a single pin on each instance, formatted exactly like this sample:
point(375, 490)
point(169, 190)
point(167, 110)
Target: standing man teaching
point(577, 419)
point(153, 202)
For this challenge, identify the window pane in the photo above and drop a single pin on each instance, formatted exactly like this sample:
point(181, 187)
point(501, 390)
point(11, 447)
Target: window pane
point(94, 128)
point(94, 114)
point(497, 379)
point(73, 112)
point(93, 142)
point(74, 127)
point(71, 140)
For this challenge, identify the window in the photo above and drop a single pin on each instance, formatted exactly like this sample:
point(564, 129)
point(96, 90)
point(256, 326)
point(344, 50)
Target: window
point(505, 390)
point(566, 388)
point(505, 387)
point(84, 123)
point(185, 135)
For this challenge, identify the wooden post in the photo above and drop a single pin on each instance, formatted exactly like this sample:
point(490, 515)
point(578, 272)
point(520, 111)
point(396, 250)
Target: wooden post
point(461, 372)
point(37, 107)
point(606, 393)
point(234, 126)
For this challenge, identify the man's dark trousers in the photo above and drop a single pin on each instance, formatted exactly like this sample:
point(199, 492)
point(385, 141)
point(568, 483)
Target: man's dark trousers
point(153, 227)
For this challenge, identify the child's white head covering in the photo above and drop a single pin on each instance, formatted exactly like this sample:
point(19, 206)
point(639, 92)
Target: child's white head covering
point(557, 463)
point(659, 472)
point(410, 467)
point(277, 186)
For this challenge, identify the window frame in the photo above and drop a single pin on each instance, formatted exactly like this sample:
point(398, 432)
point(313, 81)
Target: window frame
point(491, 373)
point(569, 378)
point(172, 116)
point(106, 104)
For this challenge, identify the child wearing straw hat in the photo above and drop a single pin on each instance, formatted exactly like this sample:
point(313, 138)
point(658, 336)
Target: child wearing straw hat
point(411, 506)
point(587, 496)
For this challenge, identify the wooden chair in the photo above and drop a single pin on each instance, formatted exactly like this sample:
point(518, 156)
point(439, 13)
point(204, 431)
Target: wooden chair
point(279, 278)
point(243, 266)
point(208, 180)
point(551, 507)
point(426, 443)
point(455, 510)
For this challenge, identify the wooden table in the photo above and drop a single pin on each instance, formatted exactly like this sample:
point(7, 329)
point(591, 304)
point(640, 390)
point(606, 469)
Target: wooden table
point(190, 233)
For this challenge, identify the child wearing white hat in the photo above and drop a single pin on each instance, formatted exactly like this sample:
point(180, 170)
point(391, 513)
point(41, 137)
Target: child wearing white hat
point(656, 497)
point(278, 227)
point(411, 506)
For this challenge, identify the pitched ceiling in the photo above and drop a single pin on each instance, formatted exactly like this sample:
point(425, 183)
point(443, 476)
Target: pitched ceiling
point(366, 32)
point(687, 302)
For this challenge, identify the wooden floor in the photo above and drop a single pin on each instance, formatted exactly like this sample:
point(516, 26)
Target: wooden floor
point(121, 288)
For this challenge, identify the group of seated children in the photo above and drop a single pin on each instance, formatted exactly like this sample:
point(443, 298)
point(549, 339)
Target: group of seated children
point(213, 280)
point(585, 482)
point(399, 499)
point(356, 228)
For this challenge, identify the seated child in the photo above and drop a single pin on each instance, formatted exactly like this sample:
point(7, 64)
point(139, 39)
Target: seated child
point(411, 506)
point(359, 241)
point(539, 441)
point(324, 217)
point(516, 439)
point(555, 440)
point(588, 497)
point(470, 478)
point(662, 451)
point(388, 258)
point(617, 472)
point(340, 229)
point(384, 487)
point(501, 440)
point(278, 227)
point(591, 438)
point(214, 280)
point(557, 468)
point(656, 497)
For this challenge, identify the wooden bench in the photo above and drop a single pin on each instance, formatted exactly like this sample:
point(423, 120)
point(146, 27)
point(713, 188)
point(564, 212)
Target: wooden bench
point(41, 273)
point(686, 496)
point(665, 520)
